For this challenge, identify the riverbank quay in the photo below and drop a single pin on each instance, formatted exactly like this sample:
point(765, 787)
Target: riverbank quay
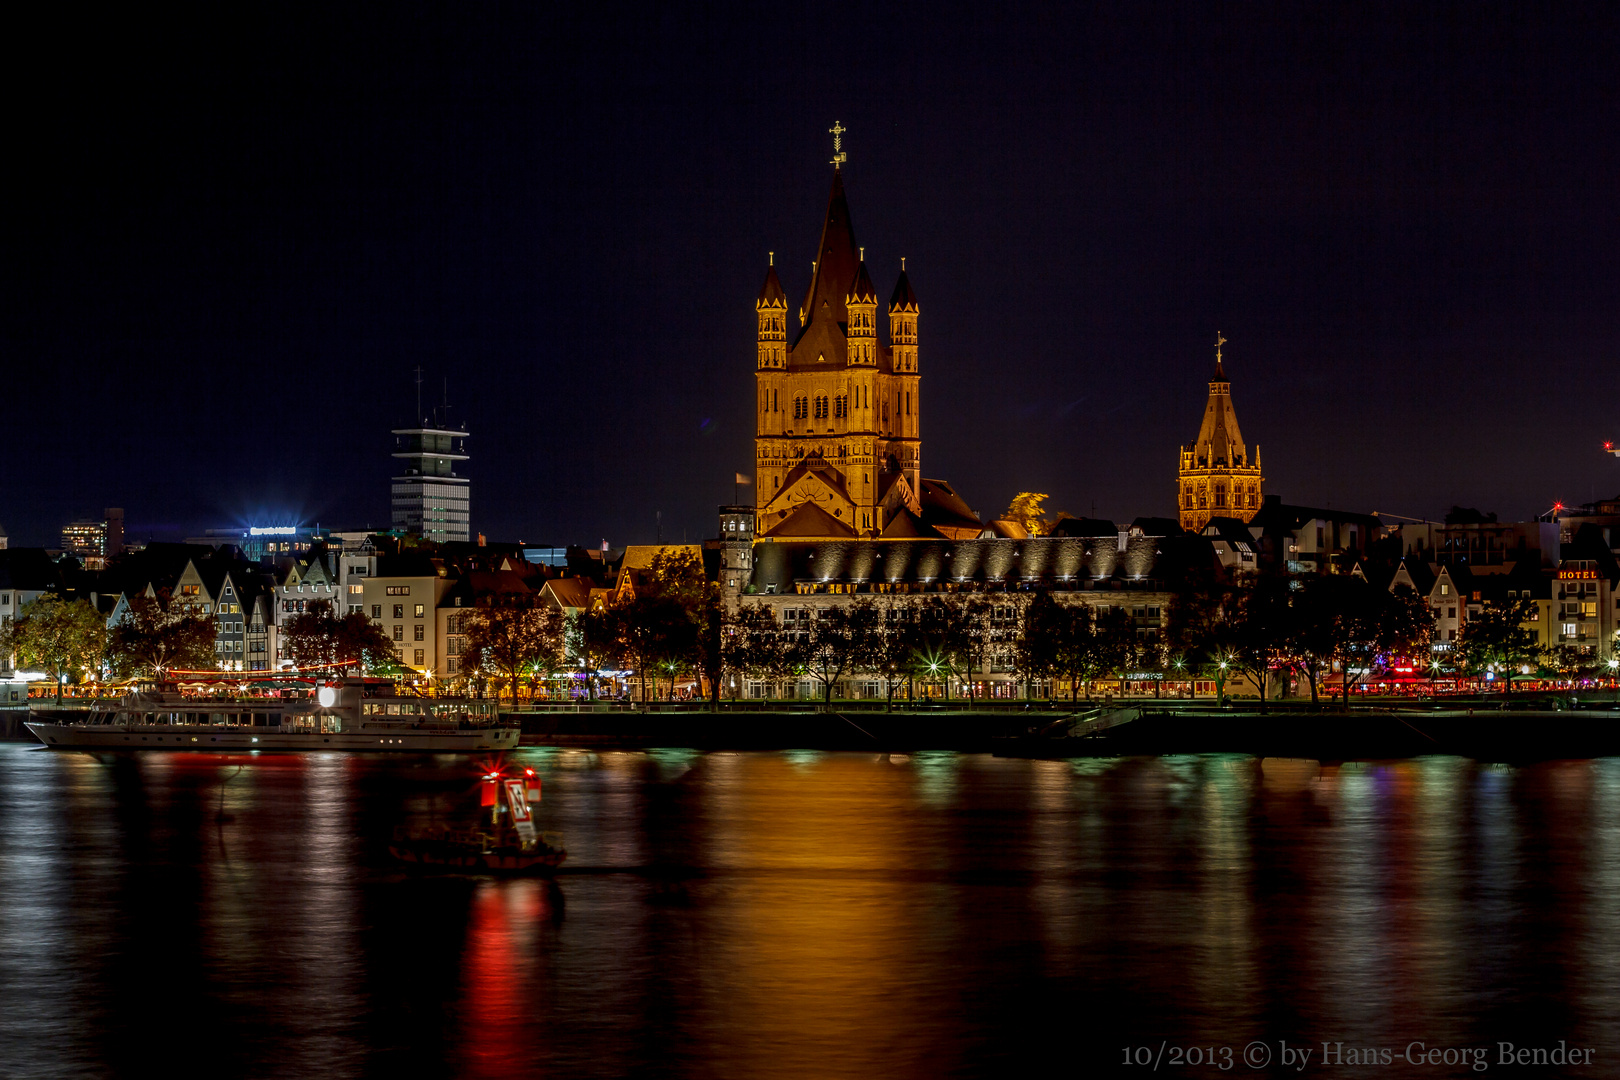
point(1489, 730)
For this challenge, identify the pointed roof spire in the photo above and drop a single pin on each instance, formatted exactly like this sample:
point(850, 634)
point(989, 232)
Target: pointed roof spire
point(863, 289)
point(837, 259)
point(903, 297)
point(772, 292)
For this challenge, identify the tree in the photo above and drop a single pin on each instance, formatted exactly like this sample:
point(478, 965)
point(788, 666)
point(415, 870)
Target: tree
point(840, 639)
point(1262, 628)
point(1199, 627)
point(943, 634)
point(319, 638)
point(1039, 649)
point(650, 630)
point(1497, 638)
point(511, 635)
point(758, 644)
point(155, 636)
point(895, 650)
point(62, 638)
point(1025, 510)
point(593, 641)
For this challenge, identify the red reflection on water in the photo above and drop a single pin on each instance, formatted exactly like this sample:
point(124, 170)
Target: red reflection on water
point(498, 1025)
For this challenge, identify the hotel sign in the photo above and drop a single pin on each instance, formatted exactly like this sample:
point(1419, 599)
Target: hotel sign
point(1577, 575)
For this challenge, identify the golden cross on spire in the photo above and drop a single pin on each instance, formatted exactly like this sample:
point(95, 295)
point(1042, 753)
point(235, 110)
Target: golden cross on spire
point(1219, 341)
point(837, 131)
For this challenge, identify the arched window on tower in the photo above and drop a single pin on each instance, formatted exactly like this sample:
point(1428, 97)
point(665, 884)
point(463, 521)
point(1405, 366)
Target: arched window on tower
point(1203, 499)
point(801, 407)
point(1220, 495)
point(821, 406)
point(841, 406)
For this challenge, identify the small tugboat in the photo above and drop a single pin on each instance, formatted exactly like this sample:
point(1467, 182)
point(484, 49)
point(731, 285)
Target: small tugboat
point(505, 844)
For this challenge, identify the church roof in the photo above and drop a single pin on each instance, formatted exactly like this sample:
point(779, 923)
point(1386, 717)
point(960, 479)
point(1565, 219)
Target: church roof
point(908, 526)
point(1219, 439)
point(772, 292)
point(809, 520)
point(942, 506)
point(863, 289)
point(837, 261)
point(903, 296)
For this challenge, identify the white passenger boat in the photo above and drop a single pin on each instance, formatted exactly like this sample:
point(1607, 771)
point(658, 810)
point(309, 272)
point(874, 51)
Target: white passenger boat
point(349, 715)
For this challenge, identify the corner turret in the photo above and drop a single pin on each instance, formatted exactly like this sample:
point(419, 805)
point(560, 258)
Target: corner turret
point(771, 307)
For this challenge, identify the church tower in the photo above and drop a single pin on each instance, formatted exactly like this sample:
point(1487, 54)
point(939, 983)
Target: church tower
point(838, 438)
point(1218, 478)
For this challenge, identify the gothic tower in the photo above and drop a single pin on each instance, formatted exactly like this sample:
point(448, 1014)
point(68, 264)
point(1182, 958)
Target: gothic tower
point(837, 437)
point(1217, 477)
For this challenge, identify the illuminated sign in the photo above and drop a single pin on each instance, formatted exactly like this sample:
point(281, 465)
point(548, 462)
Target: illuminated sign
point(1577, 575)
point(275, 530)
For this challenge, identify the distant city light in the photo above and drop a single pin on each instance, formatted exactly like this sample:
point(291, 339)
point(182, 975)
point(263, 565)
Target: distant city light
point(273, 530)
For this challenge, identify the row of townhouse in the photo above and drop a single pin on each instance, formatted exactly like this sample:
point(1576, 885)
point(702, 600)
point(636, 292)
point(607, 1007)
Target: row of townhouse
point(1576, 592)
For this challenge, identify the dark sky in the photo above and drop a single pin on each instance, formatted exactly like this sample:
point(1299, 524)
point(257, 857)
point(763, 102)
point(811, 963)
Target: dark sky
point(232, 234)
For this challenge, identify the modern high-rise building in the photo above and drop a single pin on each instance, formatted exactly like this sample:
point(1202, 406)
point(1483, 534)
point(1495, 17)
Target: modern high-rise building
point(429, 499)
point(1218, 476)
point(94, 542)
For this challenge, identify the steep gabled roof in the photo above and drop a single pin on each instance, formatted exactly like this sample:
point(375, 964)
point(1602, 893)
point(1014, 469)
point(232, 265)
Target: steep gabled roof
point(566, 593)
point(809, 520)
point(772, 292)
point(908, 526)
point(903, 299)
point(863, 289)
point(837, 261)
point(942, 506)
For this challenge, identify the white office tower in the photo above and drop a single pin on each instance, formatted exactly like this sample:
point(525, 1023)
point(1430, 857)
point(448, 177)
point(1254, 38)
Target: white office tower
point(429, 499)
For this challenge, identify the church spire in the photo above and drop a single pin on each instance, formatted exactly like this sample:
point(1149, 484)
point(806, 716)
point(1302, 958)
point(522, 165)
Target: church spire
point(837, 260)
point(1220, 372)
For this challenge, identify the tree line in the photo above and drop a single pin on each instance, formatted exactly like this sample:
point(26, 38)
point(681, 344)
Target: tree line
point(1331, 631)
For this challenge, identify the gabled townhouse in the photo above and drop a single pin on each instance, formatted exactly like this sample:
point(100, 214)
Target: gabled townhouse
point(298, 585)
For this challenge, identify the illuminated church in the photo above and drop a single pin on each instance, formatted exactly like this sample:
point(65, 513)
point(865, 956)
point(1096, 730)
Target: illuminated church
point(1218, 477)
point(837, 433)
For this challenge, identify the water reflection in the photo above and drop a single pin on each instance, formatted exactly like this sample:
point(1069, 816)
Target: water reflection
point(808, 914)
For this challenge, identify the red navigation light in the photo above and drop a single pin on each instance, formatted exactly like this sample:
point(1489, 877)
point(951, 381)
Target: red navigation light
point(487, 792)
point(1608, 445)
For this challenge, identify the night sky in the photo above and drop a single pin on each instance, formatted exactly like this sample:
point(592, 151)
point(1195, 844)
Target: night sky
point(233, 233)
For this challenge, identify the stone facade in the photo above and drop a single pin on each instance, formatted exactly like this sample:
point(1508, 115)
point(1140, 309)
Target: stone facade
point(837, 430)
point(1218, 477)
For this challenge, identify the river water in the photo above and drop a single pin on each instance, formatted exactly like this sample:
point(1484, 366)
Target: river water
point(804, 914)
